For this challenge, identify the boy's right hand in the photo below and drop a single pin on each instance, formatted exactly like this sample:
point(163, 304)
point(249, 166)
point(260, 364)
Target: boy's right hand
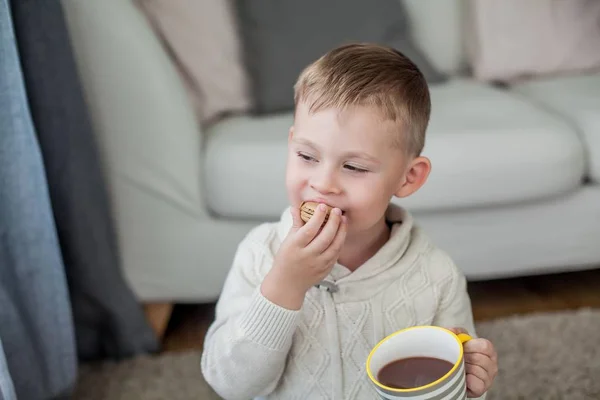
point(305, 257)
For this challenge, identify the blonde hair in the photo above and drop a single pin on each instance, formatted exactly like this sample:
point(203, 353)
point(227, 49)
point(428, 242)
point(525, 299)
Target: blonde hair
point(374, 76)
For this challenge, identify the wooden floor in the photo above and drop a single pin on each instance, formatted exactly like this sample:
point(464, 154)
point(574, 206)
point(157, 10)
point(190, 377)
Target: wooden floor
point(490, 299)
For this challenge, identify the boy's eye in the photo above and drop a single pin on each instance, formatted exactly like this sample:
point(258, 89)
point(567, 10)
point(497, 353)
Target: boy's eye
point(355, 169)
point(305, 157)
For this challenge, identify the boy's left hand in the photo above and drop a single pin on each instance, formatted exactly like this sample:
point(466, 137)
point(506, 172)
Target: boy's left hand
point(481, 364)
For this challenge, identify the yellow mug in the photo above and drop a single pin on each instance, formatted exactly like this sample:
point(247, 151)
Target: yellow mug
point(422, 341)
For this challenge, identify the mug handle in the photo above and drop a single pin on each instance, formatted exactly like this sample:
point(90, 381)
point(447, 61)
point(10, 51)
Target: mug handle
point(463, 337)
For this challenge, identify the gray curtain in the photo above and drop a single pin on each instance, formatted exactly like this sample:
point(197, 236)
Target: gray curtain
point(109, 322)
point(7, 390)
point(35, 315)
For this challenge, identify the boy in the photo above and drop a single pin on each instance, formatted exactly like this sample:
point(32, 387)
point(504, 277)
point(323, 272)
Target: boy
point(303, 306)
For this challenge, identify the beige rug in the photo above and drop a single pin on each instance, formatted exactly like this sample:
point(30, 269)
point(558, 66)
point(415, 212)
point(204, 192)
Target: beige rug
point(544, 356)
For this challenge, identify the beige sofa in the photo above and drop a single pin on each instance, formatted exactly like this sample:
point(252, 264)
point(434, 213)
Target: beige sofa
point(514, 189)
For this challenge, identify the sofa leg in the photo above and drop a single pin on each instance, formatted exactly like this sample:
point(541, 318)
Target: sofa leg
point(158, 315)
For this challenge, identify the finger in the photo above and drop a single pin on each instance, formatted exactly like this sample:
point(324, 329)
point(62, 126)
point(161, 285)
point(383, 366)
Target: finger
point(475, 386)
point(479, 372)
point(483, 346)
point(297, 222)
point(326, 236)
point(308, 231)
point(333, 251)
point(483, 361)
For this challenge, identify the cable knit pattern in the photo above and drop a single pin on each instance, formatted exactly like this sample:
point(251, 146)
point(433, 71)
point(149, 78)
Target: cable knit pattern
point(256, 348)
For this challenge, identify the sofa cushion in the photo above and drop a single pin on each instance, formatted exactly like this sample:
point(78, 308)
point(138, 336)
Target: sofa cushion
point(487, 147)
point(437, 30)
point(202, 40)
point(516, 39)
point(577, 98)
point(281, 37)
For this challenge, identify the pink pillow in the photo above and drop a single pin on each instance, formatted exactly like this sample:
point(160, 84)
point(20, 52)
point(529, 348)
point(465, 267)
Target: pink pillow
point(202, 39)
point(514, 39)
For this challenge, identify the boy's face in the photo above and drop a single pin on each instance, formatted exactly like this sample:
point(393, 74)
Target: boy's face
point(347, 160)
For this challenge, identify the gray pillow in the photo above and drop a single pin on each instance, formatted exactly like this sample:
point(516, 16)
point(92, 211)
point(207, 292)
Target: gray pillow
point(281, 37)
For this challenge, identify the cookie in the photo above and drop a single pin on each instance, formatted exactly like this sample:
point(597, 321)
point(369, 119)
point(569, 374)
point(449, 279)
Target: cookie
point(308, 208)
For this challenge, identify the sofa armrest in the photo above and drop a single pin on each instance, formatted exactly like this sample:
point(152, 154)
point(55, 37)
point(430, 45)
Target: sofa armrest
point(144, 122)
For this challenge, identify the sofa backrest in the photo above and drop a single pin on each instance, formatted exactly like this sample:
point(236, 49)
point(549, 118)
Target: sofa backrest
point(125, 71)
point(136, 99)
point(437, 27)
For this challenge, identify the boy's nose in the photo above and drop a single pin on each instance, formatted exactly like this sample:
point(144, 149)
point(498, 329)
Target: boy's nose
point(325, 182)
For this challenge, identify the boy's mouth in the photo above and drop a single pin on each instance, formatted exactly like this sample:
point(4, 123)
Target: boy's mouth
point(307, 210)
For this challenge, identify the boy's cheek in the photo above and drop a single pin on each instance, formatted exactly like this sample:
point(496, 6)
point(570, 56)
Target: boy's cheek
point(294, 183)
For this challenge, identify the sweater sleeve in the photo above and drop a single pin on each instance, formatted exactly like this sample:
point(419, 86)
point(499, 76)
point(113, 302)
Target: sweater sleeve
point(454, 309)
point(246, 347)
point(455, 304)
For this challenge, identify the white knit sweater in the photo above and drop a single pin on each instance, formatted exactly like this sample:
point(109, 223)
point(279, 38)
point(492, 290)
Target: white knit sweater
point(256, 348)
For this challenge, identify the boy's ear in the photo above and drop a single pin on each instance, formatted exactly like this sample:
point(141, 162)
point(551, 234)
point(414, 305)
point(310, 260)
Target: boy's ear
point(415, 176)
